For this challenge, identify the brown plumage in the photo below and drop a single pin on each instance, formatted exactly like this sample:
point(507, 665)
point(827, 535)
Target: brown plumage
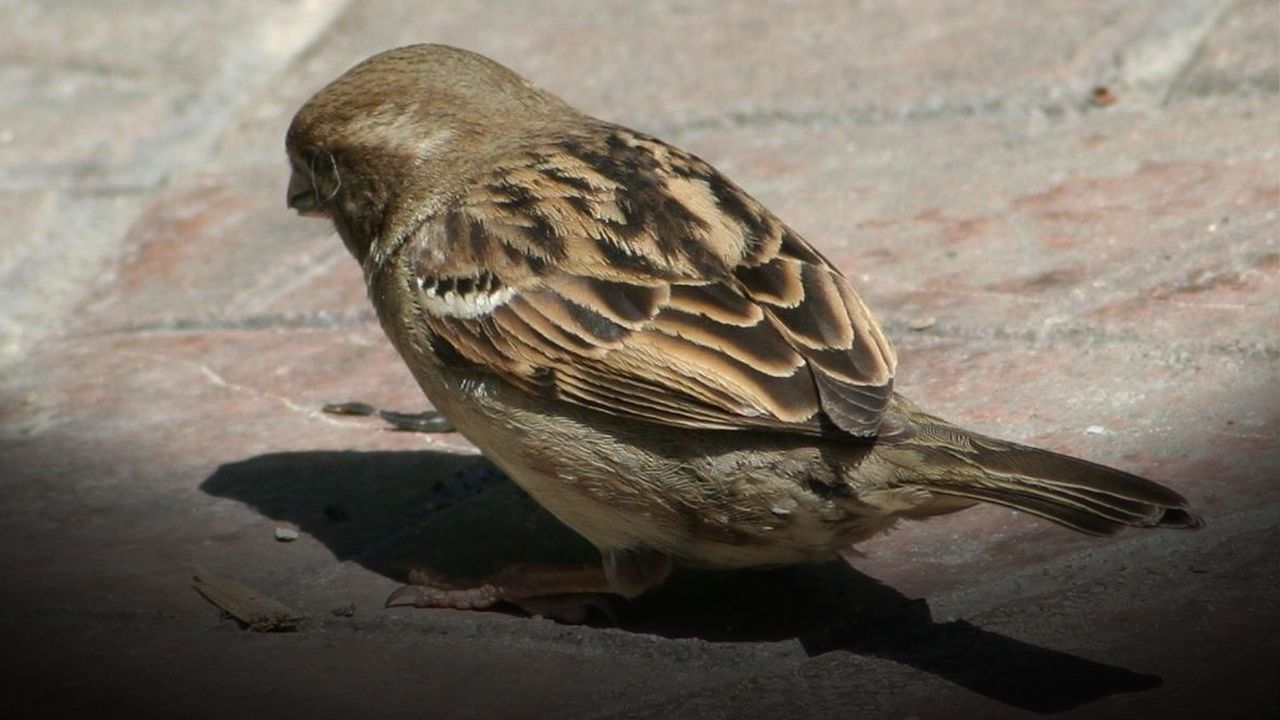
point(641, 345)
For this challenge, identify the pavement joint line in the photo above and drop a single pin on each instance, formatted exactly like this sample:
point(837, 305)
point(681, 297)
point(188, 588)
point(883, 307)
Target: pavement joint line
point(75, 182)
point(1071, 335)
point(1001, 108)
point(1058, 335)
point(90, 69)
point(319, 320)
point(871, 115)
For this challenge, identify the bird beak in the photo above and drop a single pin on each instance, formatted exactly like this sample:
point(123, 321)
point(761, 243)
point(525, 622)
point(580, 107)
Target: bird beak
point(302, 196)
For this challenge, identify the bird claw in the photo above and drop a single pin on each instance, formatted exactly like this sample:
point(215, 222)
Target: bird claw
point(425, 596)
point(431, 589)
point(428, 421)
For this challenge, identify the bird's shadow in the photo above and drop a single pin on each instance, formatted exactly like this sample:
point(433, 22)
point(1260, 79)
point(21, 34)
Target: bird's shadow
point(393, 511)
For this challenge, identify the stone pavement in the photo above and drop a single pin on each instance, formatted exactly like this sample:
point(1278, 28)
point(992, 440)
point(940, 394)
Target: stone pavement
point(1065, 214)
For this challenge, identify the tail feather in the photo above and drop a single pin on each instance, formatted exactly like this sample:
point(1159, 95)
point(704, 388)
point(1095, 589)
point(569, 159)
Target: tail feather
point(1078, 494)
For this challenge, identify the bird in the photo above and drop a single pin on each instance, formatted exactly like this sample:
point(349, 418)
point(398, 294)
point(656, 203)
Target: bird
point(640, 345)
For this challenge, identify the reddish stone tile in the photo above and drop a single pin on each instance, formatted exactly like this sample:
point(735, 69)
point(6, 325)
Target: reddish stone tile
point(211, 254)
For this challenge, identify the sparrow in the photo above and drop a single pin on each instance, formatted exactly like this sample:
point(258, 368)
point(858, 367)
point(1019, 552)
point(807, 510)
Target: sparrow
point(645, 349)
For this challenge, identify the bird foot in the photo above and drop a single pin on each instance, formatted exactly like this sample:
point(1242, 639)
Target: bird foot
point(568, 594)
point(429, 421)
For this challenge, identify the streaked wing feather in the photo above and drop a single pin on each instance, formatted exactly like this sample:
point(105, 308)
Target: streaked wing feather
point(632, 278)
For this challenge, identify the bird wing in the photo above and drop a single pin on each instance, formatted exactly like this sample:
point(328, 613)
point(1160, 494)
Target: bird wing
point(619, 273)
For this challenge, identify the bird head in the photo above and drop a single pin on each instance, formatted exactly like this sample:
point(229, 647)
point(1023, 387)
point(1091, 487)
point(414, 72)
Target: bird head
point(387, 144)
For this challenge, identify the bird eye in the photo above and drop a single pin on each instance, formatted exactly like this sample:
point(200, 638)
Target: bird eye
point(313, 182)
